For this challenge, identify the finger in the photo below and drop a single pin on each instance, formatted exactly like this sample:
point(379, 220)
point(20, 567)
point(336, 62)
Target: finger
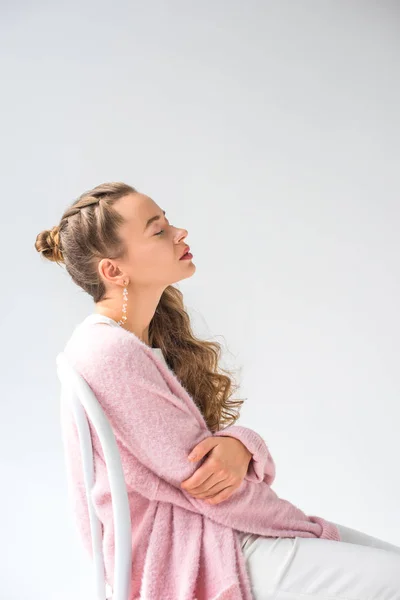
point(200, 484)
point(211, 487)
point(204, 482)
point(200, 477)
point(220, 497)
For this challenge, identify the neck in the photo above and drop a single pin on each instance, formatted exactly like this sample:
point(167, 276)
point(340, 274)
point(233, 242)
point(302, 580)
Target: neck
point(141, 306)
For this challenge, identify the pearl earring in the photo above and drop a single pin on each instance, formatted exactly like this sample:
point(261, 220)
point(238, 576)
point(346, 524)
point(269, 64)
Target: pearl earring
point(125, 304)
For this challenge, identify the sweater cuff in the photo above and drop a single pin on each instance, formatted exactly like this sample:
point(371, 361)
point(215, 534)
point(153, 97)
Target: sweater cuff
point(329, 530)
point(261, 465)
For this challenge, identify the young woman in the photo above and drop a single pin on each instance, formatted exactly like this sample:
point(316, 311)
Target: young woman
point(211, 529)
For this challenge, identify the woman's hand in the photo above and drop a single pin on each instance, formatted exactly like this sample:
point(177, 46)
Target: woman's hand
point(223, 470)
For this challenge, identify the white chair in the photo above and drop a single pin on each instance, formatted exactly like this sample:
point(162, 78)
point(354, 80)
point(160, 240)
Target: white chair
point(76, 391)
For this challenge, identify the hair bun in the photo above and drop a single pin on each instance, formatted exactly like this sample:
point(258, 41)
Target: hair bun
point(49, 244)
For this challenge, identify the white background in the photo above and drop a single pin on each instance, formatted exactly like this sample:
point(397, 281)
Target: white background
point(270, 130)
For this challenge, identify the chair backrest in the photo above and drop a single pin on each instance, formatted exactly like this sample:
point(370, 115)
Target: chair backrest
point(78, 394)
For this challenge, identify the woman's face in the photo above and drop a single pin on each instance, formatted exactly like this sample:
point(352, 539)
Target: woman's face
point(154, 246)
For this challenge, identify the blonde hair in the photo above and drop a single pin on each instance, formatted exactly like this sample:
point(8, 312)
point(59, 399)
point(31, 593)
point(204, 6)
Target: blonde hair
point(88, 232)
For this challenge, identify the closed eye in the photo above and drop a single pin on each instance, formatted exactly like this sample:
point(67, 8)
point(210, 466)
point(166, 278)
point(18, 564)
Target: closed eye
point(162, 230)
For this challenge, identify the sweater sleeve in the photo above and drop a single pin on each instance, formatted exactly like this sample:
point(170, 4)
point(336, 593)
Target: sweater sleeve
point(159, 429)
point(261, 465)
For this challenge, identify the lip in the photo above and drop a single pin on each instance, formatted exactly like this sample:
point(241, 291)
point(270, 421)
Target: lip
point(185, 251)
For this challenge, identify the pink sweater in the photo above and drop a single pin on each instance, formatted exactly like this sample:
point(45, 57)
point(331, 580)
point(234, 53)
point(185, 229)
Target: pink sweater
point(183, 548)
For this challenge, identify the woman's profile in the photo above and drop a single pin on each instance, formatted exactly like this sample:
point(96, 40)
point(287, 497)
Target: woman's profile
point(211, 528)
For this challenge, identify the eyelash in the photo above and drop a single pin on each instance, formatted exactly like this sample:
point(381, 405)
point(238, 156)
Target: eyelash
point(162, 230)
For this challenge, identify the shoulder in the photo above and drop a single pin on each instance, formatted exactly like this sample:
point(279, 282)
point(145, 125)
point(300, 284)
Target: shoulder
point(101, 344)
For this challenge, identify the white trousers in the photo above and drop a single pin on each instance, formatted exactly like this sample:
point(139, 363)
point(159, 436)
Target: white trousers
point(359, 567)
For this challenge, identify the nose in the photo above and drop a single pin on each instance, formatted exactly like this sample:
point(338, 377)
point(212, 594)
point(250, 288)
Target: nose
point(182, 233)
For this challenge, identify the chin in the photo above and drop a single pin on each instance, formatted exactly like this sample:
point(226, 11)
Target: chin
point(190, 270)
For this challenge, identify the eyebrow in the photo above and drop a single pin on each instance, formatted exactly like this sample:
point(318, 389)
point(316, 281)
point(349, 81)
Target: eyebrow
point(150, 221)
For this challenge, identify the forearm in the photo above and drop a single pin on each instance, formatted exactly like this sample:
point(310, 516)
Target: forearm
point(261, 466)
point(254, 509)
